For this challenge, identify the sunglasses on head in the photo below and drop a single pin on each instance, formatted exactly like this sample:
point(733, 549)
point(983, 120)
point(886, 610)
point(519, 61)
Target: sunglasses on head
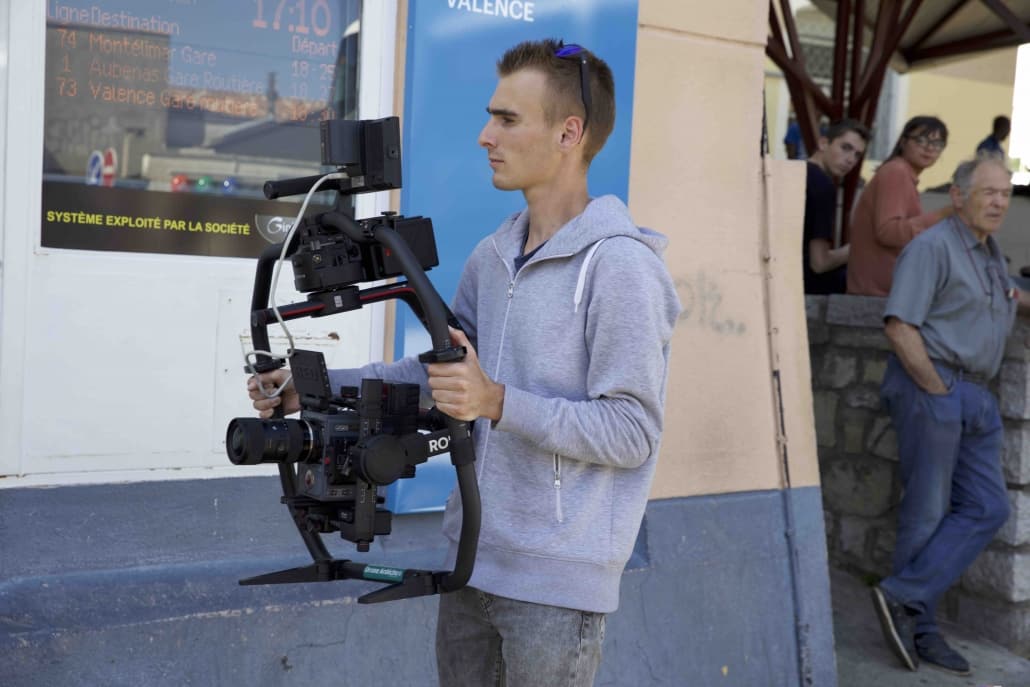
point(579, 53)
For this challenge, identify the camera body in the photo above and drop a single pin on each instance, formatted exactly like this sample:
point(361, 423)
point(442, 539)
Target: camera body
point(327, 260)
point(345, 446)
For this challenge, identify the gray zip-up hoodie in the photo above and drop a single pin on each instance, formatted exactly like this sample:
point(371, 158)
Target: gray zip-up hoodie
point(580, 339)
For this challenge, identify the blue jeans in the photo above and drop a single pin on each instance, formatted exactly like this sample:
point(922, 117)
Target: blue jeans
point(953, 499)
point(483, 640)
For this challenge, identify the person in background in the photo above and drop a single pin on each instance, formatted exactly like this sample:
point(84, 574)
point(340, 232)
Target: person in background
point(793, 143)
point(888, 214)
point(949, 313)
point(991, 146)
point(840, 149)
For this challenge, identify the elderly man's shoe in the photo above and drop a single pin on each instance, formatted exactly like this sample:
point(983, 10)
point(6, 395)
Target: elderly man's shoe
point(898, 627)
point(932, 648)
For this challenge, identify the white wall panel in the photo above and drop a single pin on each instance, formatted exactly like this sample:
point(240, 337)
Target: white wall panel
point(125, 366)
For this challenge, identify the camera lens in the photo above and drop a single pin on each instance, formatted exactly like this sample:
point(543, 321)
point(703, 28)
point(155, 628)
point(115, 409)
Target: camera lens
point(251, 441)
point(237, 443)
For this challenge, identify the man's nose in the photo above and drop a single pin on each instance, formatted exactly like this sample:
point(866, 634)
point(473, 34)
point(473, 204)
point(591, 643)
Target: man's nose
point(486, 139)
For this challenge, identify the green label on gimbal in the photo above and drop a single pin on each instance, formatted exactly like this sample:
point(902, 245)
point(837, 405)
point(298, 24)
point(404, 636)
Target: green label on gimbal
point(384, 574)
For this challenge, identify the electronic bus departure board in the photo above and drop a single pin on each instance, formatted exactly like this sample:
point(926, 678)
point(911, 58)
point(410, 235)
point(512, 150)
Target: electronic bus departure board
point(163, 118)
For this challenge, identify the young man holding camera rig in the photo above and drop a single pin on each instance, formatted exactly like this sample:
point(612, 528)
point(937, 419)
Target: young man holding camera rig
point(567, 311)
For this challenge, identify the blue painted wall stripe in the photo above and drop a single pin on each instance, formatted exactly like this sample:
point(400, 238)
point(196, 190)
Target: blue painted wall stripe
point(137, 584)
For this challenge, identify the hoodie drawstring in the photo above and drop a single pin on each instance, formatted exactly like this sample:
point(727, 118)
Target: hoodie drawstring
point(581, 282)
point(557, 489)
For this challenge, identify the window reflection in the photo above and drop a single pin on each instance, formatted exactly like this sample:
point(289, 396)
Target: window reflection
point(188, 97)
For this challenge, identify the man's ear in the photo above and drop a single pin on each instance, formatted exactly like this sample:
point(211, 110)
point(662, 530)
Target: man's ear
point(957, 199)
point(572, 132)
point(824, 143)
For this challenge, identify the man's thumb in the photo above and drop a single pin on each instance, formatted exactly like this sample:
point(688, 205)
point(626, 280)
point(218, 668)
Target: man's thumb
point(459, 338)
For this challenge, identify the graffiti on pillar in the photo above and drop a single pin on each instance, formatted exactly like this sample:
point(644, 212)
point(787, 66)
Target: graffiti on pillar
point(701, 298)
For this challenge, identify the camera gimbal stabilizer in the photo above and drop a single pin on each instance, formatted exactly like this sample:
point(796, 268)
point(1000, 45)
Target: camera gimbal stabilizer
point(348, 444)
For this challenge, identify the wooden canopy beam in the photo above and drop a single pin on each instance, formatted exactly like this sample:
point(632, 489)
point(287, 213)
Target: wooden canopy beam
point(840, 57)
point(952, 11)
point(1021, 30)
point(776, 53)
point(806, 95)
point(857, 41)
point(885, 18)
point(894, 29)
point(792, 32)
point(1003, 38)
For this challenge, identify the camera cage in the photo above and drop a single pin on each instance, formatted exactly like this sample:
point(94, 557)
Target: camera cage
point(368, 153)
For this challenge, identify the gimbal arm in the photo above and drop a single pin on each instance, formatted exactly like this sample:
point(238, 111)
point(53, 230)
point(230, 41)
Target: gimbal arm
point(462, 452)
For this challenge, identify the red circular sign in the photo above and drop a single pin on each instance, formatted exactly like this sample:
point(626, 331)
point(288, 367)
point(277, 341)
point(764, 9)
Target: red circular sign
point(110, 167)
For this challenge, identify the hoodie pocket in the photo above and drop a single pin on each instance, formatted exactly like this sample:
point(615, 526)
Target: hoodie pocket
point(557, 489)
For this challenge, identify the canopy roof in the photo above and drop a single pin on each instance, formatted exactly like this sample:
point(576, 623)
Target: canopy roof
point(939, 29)
point(903, 33)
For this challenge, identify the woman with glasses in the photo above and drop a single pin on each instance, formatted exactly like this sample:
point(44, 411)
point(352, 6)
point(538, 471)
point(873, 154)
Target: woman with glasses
point(888, 214)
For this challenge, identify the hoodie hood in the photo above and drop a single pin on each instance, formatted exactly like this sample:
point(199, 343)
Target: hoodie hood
point(604, 217)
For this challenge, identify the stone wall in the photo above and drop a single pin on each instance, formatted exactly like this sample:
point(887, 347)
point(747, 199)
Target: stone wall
point(858, 465)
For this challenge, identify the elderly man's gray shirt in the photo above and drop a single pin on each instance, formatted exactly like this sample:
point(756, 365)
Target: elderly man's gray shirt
point(957, 291)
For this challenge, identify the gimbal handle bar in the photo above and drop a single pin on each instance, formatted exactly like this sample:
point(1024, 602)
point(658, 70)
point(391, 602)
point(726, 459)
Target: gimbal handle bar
point(435, 318)
point(301, 185)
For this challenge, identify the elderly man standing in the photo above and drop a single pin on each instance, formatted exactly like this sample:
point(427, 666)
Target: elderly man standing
point(950, 309)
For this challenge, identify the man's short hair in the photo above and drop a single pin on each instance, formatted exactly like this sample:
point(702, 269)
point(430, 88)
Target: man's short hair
point(1001, 123)
point(563, 78)
point(963, 176)
point(843, 126)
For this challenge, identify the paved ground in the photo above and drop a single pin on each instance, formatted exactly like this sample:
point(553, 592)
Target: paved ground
point(863, 659)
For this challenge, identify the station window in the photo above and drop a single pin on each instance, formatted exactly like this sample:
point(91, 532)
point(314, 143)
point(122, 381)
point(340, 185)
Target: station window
point(163, 118)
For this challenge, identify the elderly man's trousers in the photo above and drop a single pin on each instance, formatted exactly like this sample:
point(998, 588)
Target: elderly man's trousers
point(953, 492)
